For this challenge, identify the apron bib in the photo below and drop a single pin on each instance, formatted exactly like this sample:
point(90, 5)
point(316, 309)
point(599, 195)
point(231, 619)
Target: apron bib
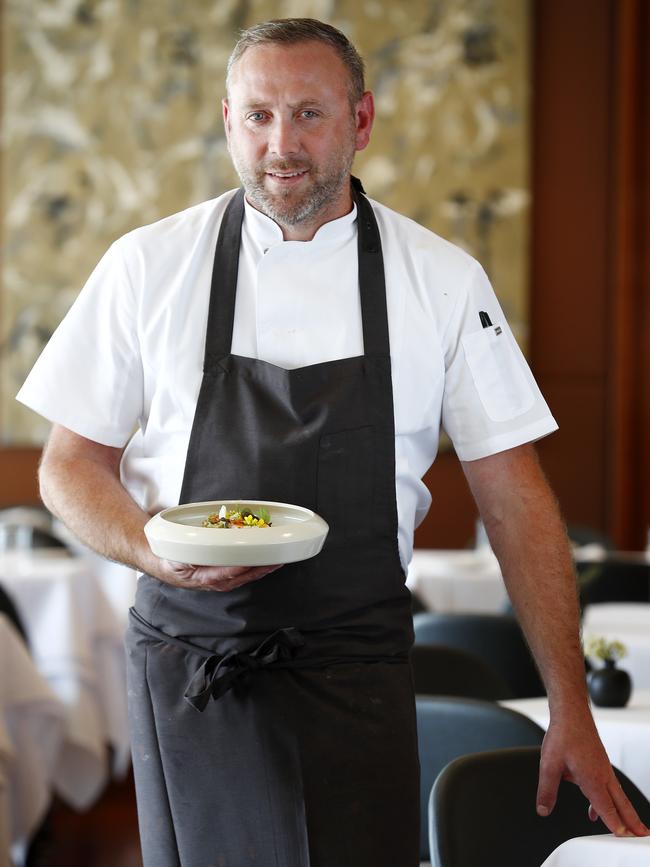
point(274, 724)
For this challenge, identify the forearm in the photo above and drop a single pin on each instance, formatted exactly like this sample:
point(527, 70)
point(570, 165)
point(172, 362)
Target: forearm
point(88, 497)
point(539, 575)
point(529, 539)
point(80, 484)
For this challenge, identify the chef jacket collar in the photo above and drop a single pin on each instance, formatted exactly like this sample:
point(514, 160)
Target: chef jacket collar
point(265, 232)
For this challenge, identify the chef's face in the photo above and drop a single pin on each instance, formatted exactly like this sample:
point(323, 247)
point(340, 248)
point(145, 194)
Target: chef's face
point(292, 132)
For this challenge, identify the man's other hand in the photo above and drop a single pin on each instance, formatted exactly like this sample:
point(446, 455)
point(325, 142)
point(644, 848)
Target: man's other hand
point(573, 751)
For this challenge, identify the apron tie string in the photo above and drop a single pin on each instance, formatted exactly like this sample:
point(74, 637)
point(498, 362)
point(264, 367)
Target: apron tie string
point(218, 674)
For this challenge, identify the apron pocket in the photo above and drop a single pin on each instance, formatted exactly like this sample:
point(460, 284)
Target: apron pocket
point(346, 489)
point(499, 379)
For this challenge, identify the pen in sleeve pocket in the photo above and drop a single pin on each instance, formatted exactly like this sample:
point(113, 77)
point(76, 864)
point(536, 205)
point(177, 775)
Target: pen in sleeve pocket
point(485, 319)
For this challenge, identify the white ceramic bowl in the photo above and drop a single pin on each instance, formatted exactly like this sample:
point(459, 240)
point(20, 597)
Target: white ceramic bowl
point(295, 534)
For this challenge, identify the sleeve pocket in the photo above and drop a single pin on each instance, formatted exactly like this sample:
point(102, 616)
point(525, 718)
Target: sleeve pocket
point(497, 373)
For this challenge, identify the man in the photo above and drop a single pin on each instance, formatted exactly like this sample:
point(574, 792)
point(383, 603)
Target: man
point(308, 360)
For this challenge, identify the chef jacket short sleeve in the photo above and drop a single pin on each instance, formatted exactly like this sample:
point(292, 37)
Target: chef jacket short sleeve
point(491, 401)
point(89, 376)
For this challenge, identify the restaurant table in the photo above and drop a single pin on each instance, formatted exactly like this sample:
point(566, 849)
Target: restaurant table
point(601, 850)
point(118, 582)
point(469, 579)
point(464, 580)
point(628, 622)
point(76, 642)
point(625, 732)
point(594, 553)
point(32, 723)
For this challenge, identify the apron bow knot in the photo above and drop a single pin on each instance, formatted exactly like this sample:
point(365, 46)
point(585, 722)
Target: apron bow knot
point(218, 674)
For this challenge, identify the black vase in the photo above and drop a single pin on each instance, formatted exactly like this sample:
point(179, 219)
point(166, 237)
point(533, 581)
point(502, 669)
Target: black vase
point(609, 686)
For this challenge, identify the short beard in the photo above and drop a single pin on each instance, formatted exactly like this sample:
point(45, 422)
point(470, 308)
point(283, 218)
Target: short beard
point(280, 208)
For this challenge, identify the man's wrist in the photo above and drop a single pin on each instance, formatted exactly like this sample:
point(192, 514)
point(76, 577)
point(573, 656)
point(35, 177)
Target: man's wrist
point(574, 704)
point(142, 557)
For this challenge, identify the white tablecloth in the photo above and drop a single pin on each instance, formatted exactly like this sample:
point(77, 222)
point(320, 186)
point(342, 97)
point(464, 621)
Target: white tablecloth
point(118, 582)
point(601, 850)
point(469, 580)
point(594, 553)
point(32, 724)
point(463, 580)
point(630, 623)
point(625, 732)
point(77, 644)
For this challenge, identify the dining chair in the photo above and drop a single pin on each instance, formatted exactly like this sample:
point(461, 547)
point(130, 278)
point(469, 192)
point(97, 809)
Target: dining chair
point(581, 534)
point(493, 794)
point(496, 638)
point(8, 608)
point(452, 727)
point(439, 670)
point(614, 581)
point(26, 527)
point(417, 605)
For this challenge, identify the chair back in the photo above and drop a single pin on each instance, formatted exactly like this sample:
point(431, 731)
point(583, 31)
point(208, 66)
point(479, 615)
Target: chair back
point(439, 670)
point(24, 527)
point(498, 791)
point(613, 581)
point(497, 639)
point(8, 608)
point(452, 727)
point(580, 535)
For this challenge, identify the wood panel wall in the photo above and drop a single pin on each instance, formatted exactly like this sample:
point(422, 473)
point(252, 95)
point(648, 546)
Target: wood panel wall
point(644, 274)
point(18, 467)
point(590, 271)
point(590, 294)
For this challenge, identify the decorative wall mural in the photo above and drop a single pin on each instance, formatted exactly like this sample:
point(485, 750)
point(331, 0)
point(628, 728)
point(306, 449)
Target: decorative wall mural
point(112, 119)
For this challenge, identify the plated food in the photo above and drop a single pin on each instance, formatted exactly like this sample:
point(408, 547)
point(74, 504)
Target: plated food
point(187, 533)
point(239, 516)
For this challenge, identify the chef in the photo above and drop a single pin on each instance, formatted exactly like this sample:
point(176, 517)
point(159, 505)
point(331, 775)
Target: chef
point(295, 341)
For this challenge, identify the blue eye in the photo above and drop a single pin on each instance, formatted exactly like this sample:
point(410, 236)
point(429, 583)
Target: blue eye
point(308, 113)
point(256, 116)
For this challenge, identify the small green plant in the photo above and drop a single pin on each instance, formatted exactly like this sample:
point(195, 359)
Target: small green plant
point(600, 648)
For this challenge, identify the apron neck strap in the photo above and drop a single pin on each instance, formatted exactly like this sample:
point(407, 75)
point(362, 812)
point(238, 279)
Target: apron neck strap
point(372, 282)
point(223, 290)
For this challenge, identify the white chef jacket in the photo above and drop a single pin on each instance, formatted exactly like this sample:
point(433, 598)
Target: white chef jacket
point(125, 365)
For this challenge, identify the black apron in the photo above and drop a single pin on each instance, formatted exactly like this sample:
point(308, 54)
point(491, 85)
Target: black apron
point(274, 724)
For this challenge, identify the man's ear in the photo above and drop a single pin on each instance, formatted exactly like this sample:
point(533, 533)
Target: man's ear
point(364, 116)
point(226, 117)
